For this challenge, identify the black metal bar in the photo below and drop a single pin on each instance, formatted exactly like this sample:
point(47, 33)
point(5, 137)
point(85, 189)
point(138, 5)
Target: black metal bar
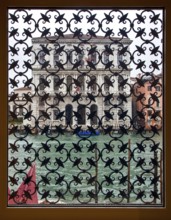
point(129, 170)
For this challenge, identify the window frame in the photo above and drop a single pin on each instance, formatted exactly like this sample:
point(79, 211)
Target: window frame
point(80, 213)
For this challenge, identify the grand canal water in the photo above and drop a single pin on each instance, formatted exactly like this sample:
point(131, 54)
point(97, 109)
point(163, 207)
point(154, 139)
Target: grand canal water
point(68, 170)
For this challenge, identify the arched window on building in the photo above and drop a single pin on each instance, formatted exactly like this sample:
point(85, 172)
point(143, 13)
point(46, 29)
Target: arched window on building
point(41, 84)
point(157, 88)
point(158, 104)
point(94, 108)
point(93, 58)
point(55, 83)
point(82, 112)
point(119, 58)
point(41, 57)
point(81, 58)
point(107, 103)
point(70, 59)
point(149, 112)
point(55, 58)
point(69, 83)
point(81, 79)
point(69, 113)
point(94, 86)
point(106, 86)
point(120, 79)
point(105, 57)
point(55, 113)
point(41, 103)
point(150, 101)
point(149, 88)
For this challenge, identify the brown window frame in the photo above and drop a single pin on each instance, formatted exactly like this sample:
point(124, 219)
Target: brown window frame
point(81, 213)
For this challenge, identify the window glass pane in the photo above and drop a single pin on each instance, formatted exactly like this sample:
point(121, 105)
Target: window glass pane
point(85, 107)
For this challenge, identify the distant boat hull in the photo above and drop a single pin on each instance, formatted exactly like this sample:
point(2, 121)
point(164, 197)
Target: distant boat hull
point(88, 133)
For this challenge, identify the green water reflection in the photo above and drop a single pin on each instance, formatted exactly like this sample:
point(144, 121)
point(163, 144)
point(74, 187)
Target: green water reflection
point(68, 171)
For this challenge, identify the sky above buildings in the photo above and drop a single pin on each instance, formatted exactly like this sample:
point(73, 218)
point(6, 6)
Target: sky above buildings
point(146, 18)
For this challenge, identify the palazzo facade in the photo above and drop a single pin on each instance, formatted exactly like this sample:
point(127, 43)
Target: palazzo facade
point(67, 69)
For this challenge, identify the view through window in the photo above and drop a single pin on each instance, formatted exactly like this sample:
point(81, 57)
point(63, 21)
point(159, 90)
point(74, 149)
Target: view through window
point(85, 107)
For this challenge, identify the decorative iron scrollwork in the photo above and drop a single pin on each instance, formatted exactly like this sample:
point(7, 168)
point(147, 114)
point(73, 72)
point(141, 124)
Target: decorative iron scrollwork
point(85, 107)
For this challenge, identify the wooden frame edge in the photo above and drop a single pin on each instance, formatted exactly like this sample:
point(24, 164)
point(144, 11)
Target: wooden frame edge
point(80, 213)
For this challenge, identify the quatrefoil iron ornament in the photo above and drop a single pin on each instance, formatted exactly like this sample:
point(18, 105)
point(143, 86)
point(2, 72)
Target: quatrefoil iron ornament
point(85, 107)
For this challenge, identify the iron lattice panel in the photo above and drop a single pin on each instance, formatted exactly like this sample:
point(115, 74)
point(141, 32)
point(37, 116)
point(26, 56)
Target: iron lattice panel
point(85, 107)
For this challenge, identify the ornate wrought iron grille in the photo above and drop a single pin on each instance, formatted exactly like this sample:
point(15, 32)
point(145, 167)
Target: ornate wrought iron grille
point(85, 107)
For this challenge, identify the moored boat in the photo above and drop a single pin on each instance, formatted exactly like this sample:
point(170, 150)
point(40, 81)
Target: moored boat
point(88, 133)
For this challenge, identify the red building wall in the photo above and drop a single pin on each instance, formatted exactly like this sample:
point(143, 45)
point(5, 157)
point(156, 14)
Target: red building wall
point(151, 103)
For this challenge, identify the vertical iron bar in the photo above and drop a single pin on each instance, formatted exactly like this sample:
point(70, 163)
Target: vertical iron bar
point(96, 185)
point(129, 157)
point(161, 178)
point(155, 175)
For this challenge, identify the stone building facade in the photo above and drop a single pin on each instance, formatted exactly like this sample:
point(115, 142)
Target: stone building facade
point(55, 76)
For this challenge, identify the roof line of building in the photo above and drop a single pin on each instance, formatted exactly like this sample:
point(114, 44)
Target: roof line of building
point(23, 88)
point(71, 38)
